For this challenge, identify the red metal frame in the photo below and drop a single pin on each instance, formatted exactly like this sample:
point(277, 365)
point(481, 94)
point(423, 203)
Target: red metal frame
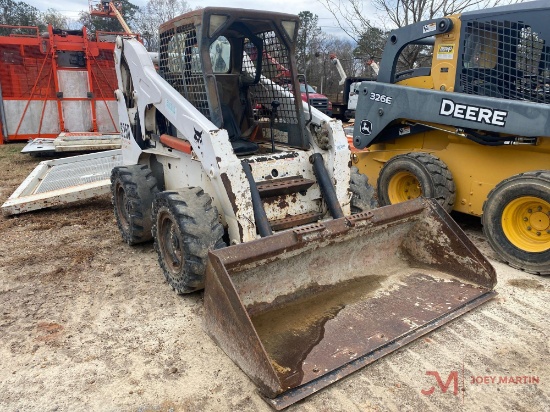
point(29, 72)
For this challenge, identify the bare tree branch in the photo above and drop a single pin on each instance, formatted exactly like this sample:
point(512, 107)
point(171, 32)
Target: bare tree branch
point(351, 16)
point(153, 14)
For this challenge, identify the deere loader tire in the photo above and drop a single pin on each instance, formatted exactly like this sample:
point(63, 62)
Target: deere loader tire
point(412, 175)
point(516, 221)
point(185, 226)
point(362, 198)
point(133, 189)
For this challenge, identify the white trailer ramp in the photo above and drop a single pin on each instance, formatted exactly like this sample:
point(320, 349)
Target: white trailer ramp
point(74, 142)
point(62, 181)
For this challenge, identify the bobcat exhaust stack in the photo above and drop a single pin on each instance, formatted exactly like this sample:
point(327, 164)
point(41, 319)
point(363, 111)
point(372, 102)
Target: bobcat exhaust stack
point(301, 309)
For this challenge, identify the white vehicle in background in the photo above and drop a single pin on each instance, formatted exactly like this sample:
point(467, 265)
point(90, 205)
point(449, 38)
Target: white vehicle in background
point(345, 109)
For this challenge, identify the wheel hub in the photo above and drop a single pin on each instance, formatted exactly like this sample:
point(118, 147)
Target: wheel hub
point(526, 223)
point(170, 243)
point(403, 186)
point(539, 221)
point(123, 207)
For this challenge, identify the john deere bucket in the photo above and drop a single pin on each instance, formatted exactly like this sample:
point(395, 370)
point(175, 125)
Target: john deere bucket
point(301, 309)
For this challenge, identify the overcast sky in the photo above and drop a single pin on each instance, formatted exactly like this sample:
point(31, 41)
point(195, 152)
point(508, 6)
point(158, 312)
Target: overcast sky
point(71, 8)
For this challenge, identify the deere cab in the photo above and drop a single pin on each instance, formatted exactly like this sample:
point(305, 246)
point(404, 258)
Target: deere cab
point(468, 125)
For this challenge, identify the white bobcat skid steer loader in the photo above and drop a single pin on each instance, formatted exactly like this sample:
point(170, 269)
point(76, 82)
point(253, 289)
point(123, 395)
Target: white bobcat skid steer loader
point(247, 192)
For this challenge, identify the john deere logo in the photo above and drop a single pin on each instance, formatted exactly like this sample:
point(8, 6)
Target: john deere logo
point(446, 48)
point(366, 127)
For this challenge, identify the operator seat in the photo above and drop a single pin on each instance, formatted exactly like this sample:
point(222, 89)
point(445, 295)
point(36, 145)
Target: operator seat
point(241, 146)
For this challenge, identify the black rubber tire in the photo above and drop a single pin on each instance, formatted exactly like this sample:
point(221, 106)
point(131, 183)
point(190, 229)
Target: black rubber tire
point(432, 174)
point(362, 198)
point(531, 184)
point(133, 189)
point(185, 227)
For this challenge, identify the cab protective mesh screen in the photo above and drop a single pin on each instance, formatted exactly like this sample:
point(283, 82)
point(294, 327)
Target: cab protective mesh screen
point(506, 60)
point(181, 66)
point(275, 83)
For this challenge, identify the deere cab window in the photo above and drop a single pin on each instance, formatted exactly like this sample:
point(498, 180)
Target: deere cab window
point(415, 60)
point(533, 61)
point(481, 49)
point(507, 60)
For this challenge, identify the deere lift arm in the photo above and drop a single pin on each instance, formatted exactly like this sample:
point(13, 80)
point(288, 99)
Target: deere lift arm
point(380, 104)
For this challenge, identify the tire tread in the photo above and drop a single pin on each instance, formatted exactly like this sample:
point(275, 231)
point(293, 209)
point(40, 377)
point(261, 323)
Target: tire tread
point(438, 172)
point(363, 197)
point(198, 221)
point(140, 187)
point(538, 264)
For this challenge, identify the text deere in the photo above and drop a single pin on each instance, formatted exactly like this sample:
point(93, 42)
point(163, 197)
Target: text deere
point(474, 113)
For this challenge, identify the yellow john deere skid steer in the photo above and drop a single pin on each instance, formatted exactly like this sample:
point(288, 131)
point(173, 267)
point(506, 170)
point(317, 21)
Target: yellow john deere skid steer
point(471, 130)
point(255, 206)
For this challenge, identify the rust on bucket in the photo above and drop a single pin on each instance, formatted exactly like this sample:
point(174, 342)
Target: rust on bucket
point(303, 308)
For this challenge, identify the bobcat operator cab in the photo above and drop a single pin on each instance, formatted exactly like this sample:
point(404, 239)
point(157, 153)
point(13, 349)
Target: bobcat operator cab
point(241, 69)
point(225, 62)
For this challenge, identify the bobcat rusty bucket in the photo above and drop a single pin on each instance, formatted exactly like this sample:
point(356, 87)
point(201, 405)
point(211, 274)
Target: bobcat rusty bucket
point(301, 309)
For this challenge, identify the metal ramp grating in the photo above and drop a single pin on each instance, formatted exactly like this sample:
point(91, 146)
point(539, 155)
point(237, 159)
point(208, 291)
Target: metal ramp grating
point(73, 174)
point(63, 181)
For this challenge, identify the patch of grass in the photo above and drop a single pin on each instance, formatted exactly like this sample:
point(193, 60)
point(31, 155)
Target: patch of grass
point(8, 150)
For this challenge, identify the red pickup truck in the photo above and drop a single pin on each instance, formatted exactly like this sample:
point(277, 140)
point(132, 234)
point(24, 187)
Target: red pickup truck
point(319, 101)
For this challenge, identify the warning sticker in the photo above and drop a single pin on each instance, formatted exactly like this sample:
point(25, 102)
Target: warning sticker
point(404, 130)
point(445, 52)
point(429, 28)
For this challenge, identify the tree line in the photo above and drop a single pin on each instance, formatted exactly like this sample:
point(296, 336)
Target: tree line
point(19, 13)
point(143, 20)
point(364, 41)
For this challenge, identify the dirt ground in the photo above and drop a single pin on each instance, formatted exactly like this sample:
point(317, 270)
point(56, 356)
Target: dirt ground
point(88, 323)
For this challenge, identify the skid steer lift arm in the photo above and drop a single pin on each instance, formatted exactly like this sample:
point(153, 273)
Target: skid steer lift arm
point(459, 111)
point(386, 103)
